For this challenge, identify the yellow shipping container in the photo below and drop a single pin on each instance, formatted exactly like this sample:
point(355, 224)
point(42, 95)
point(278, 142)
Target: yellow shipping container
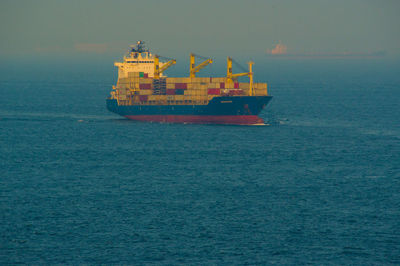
point(218, 80)
point(195, 80)
point(260, 85)
point(145, 81)
point(213, 85)
point(176, 80)
point(157, 98)
point(204, 80)
point(170, 80)
point(133, 74)
point(202, 92)
point(194, 86)
point(136, 86)
point(229, 85)
point(179, 97)
point(243, 85)
point(260, 92)
point(145, 92)
point(133, 80)
point(203, 97)
point(190, 92)
point(170, 85)
point(161, 97)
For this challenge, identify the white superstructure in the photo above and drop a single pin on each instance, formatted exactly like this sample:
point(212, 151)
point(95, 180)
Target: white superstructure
point(138, 59)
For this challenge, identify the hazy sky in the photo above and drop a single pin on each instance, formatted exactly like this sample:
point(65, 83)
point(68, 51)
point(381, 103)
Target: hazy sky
point(208, 27)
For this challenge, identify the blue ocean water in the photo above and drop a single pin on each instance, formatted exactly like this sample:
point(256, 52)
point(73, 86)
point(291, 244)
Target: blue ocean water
point(320, 184)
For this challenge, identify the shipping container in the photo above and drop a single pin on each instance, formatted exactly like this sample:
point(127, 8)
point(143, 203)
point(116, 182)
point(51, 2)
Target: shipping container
point(214, 92)
point(133, 80)
point(170, 91)
point(145, 86)
point(229, 85)
point(195, 80)
point(132, 91)
point(181, 86)
point(243, 85)
point(260, 92)
point(170, 80)
point(136, 88)
point(213, 85)
point(170, 85)
point(157, 98)
point(146, 81)
point(179, 91)
point(179, 97)
point(260, 85)
point(143, 98)
point(133, 74)
point(145, 92)
point(194, 86)
point(237, 92)
point(151, 97)
point(218, 80)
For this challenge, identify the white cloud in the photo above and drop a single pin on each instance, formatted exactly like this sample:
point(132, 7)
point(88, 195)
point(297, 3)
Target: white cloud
point(279, 49)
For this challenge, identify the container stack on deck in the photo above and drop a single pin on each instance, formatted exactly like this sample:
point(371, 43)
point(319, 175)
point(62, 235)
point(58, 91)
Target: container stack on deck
point(138, 88)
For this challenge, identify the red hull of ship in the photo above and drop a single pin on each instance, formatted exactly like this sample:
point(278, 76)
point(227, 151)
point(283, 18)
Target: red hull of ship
point(200, 119)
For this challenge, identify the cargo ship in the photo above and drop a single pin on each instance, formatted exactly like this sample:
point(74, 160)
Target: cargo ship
point(144, 93)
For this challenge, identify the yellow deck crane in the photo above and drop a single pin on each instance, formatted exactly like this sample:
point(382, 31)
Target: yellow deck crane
point(193, 68)
point(157, 70)
point(231, 76)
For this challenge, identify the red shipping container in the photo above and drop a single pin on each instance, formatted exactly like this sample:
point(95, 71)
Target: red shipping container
point(146, 75)
point(170, 91)
point(214, 91)
point(222, 85)
point(236, 85)
point(143, 98)
point(146, 86)
point(181, 86)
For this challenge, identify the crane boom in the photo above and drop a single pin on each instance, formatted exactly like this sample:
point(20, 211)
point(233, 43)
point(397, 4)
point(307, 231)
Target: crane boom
point(194, 69)
point(157, 69)
point(231, 76)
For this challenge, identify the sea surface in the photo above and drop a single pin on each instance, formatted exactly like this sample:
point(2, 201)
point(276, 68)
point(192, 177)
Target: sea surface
point(319, 184)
